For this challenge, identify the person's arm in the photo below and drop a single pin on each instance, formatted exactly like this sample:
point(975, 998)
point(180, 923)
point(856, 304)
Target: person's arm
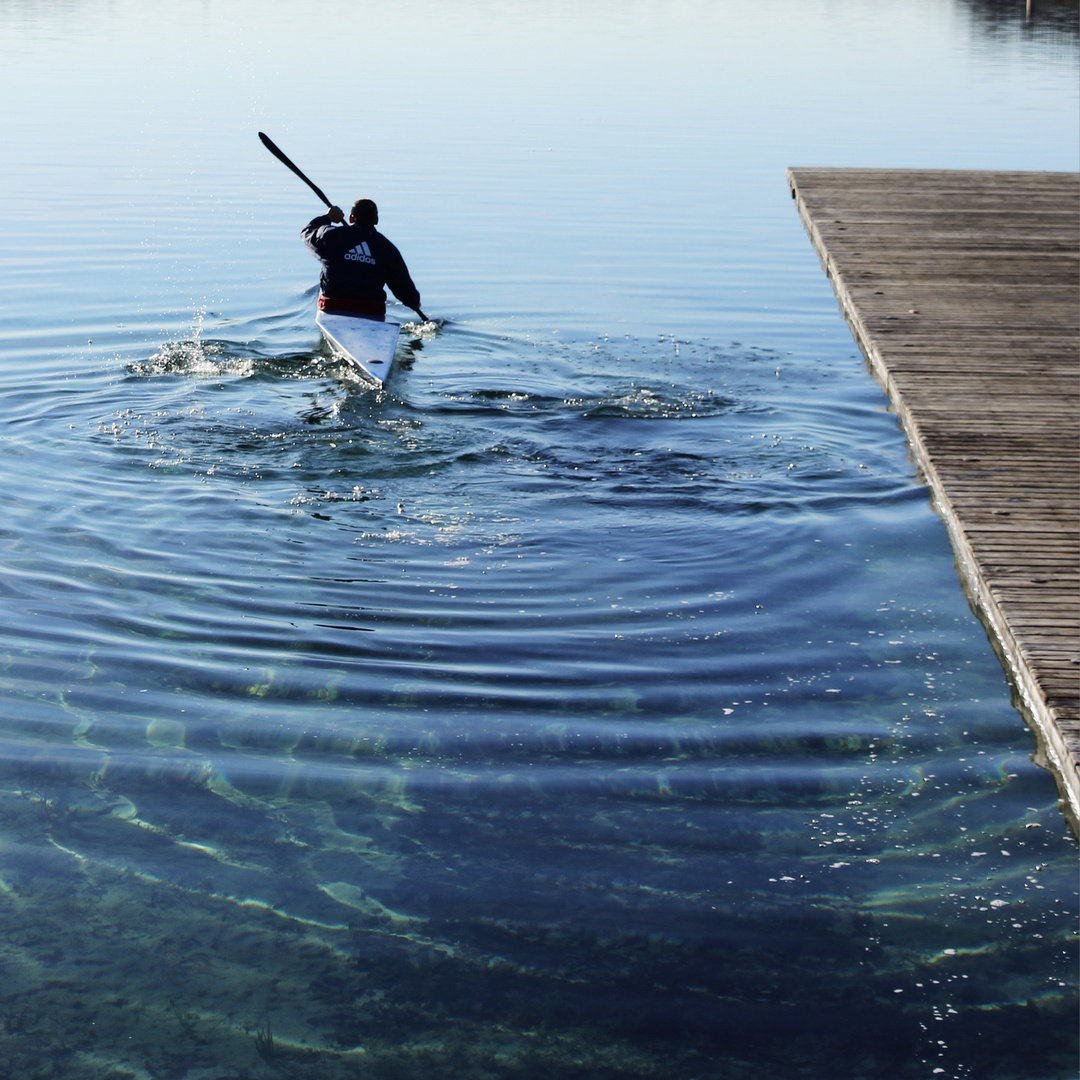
point(397, 278)
point(312, 231)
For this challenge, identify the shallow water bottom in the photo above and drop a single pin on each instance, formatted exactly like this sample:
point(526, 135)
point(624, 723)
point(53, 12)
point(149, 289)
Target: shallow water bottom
point(359, 930)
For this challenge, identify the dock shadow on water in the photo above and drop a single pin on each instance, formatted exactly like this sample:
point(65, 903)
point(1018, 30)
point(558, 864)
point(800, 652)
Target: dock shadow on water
point(561, 710)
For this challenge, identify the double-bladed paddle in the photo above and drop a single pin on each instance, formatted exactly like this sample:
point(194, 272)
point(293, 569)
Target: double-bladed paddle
point(283, 158)
point(274, 149)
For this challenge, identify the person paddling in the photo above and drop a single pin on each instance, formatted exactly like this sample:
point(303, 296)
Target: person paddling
point(357, 261)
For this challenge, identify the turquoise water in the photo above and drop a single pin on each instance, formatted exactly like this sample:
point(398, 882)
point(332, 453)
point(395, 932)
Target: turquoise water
point(597, 700)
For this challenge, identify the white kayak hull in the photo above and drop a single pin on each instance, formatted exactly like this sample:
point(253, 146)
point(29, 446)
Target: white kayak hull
point(367, 344)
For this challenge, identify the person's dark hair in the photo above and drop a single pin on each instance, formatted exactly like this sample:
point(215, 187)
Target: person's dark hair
point(365, 212)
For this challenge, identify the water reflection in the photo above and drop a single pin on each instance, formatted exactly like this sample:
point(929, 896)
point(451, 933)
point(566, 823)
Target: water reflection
point(1052, 22)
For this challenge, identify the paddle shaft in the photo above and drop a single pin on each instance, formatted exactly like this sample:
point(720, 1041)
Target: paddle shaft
point(272, 147)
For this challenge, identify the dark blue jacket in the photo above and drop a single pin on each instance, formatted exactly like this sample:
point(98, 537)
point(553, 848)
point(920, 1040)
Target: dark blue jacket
point(357, 261)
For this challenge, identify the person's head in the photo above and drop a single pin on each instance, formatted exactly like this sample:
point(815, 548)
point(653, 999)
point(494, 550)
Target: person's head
point(364, 212)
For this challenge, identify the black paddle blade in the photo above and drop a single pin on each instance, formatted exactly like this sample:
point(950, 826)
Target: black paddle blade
point(273, 148)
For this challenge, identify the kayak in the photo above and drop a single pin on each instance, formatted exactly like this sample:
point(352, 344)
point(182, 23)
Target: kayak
point(367, 344)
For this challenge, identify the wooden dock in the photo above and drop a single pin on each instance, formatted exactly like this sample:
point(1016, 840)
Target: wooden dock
point(963, 291)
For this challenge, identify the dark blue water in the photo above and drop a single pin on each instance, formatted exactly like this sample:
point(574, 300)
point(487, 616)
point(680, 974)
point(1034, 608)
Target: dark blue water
point(597, 700)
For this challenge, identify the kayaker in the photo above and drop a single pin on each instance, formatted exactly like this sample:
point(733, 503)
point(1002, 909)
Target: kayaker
point(357, 261)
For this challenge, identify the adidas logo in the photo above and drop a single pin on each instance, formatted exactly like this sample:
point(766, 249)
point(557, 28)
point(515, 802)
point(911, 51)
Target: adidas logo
point(360, 253)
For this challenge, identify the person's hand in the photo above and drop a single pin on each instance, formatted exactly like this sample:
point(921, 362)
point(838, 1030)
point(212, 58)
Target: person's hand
point(336, 214)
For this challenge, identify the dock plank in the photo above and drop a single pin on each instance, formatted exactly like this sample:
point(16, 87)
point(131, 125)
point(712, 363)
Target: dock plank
point(963, 290)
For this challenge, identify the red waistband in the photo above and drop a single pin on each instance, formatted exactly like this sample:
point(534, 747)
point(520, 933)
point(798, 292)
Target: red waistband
point(358, 307)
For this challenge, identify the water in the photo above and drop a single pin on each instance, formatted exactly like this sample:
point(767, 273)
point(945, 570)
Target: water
point(600, 698)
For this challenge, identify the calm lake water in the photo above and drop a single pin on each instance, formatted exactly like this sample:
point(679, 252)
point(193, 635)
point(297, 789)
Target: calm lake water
point(598, 700)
